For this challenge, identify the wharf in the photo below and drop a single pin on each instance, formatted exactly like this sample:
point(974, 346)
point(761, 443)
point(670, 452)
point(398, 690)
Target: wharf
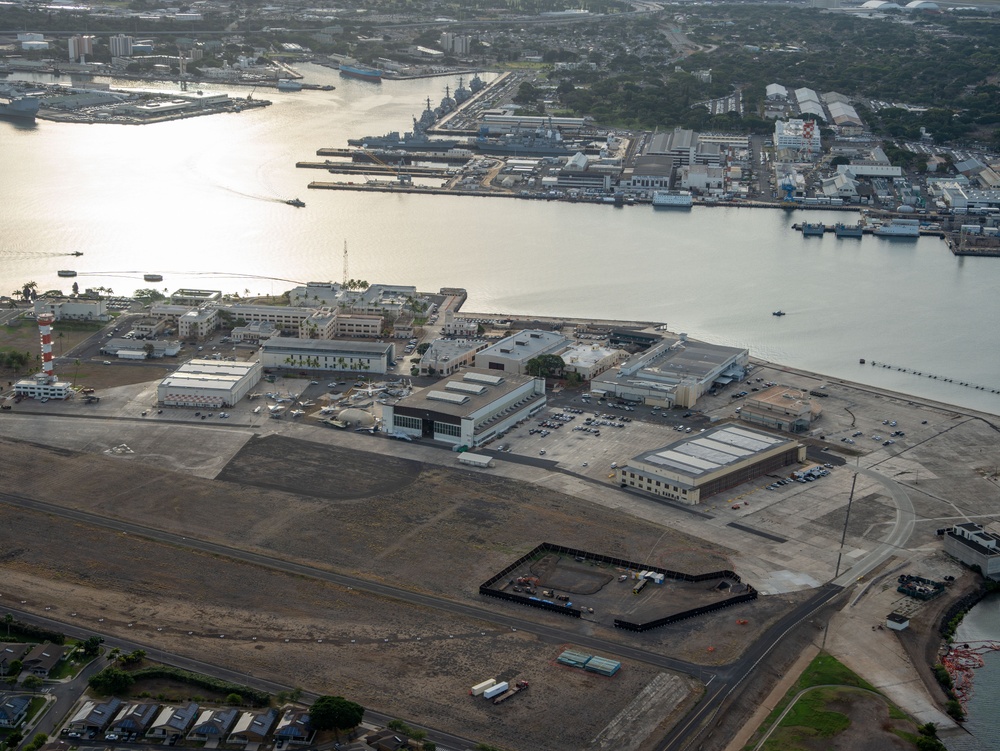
point(830, 228)
point(975, 245)
point(356, 168)
point(393, 187)
point(407, 157)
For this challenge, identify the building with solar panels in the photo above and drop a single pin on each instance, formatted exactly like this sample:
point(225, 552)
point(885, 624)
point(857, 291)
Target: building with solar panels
point(468, 409)
point(701, 465)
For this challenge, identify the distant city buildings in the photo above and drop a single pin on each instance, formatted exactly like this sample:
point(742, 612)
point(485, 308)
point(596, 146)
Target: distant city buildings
point(121, 45)
point(79, 47)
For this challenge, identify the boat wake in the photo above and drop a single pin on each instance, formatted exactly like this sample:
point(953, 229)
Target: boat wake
point(255, 197)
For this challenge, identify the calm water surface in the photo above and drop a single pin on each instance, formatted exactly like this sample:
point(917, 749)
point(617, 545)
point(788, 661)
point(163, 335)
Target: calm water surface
point(200, 201)
point(983, 624)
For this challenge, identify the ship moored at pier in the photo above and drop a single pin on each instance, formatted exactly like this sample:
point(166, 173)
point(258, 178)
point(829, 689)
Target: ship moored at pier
point(672, 199)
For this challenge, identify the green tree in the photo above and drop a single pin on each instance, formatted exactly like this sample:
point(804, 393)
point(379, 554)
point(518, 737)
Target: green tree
point(335, 713)
point(15, 667)
point(8, 619)
point(14, 738)
point(111, 681)
point(422, 348)
point(31, 682)
point(545, 366)
point(92, 646)
point(234, 699)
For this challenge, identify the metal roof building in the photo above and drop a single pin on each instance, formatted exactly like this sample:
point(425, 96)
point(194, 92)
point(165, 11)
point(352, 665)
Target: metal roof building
point(698, 466)
point(209, 383)
point(468, 409)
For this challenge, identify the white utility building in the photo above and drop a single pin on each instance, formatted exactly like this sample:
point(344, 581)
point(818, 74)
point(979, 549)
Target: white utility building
point(328, 354)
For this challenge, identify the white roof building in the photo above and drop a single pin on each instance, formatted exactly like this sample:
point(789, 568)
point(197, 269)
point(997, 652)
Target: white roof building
point(209, 383)
point(776, 91)
point(511, 355)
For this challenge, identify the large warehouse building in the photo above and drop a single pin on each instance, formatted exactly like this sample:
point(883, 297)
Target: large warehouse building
point(674, 372)
point(698, 466)
point(209, 383)
point(467, 409)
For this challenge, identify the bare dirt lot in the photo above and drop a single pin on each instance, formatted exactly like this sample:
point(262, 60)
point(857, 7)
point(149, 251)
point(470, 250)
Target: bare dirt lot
point(609, 590)
point(420, 527)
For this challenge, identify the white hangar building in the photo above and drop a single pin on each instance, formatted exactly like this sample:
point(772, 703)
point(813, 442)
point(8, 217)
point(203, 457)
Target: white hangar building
point(209, 383)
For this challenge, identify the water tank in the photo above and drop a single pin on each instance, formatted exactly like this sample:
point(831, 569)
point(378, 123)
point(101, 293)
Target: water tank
point(905, 209)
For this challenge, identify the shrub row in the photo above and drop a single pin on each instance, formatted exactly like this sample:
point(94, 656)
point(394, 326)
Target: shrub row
point(251, 696)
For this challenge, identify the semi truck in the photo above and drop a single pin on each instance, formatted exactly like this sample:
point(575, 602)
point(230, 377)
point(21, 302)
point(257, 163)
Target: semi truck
point(515, 689)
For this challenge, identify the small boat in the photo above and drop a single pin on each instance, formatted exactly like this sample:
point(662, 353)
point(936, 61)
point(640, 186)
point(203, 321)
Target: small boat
point(152, 277)
point(296, 203)
point(76, 253)
point(66, 272)
point(778, 313)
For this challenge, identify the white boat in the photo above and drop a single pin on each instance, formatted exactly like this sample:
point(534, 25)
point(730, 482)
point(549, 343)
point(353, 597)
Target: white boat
point(672, 199)
point(899, 228)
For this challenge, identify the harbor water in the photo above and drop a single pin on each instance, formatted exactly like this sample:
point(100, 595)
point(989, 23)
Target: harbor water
point(201, 201)
point(982, 624)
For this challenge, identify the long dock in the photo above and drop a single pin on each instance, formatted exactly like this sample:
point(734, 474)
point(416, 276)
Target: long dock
point(370, 168)
point(828, 228)
point(407, 157)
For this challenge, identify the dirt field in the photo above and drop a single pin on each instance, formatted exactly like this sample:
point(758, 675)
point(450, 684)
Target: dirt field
point(425, 528)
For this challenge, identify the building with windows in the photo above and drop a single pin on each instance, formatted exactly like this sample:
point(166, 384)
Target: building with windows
point(287, 319)
point(799, 135)
point(73, 308)
point(254, 332)
point(673, 372)
point(79, 47)
point(42, 386)
point(194, 297)
point(973, 545)
point(589, 360)
point(349, 325)
point(173, 720)
point(698, 466)
point(445, 356)
point(511, 355)
point(459, 327)
point(328, 354)
point(154, 348)
point(253, 727)
point(198, 324)
point(648, 172)
point(468, 409)
point(209, 383)
point(121, 45)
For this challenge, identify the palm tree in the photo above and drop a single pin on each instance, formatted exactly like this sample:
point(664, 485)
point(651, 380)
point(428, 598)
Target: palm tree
point(76, 370)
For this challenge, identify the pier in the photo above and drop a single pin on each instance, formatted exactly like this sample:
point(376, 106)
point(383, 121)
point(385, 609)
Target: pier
point(831, 228)
point(371, 168)
point(404, 157)
point(945, 379)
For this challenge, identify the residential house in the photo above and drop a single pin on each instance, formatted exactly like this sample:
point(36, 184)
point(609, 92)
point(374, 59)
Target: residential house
point(94, 716)
point(386, 740)
point(213, 724)
point(173, 720)
point(13, 710)
point(294, 727)
point(253, 727)
point(11, 653)
point(135, 718)
point(42, 659)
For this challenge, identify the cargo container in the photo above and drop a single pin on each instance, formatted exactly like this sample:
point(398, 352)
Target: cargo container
point(640, 586)
point(494, 691)
point(479, 688)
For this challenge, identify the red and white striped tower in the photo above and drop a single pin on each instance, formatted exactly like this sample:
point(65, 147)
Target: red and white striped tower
point(45, 321)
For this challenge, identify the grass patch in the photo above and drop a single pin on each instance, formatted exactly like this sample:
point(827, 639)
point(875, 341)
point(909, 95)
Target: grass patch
point(809, 712)
point(827, 670)
point(34, 708)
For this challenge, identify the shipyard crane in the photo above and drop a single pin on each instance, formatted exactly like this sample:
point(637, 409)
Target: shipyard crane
point(400, 177)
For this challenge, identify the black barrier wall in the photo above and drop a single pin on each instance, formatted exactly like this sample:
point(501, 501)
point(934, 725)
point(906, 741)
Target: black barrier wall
point(487, 588)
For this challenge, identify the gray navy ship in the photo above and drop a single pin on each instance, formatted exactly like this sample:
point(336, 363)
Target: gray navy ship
point(17, 106)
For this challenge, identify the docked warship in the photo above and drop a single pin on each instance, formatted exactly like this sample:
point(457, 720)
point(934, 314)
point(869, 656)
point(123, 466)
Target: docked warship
point(417, 139)
point(539, 142)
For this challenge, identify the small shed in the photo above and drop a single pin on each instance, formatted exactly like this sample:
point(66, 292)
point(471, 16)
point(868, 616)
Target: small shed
point(897, 621)
point(475, 460)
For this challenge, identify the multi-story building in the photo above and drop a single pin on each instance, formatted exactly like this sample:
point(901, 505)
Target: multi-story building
point(347, 326)
point(198, 324)
point(973, 545)
point(72, 308)
point(445, 356)
point(780, 408)
point(79, 47)
point(328, 354)
point(799, 135)
point(121, 45)
point(512, 354)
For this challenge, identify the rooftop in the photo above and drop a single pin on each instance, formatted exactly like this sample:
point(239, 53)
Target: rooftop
point(525, 345)
point(446, 399)
point(708, 452)
point(289, 344)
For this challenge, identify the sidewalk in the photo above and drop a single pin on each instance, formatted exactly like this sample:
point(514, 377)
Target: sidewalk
point(777, 693)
